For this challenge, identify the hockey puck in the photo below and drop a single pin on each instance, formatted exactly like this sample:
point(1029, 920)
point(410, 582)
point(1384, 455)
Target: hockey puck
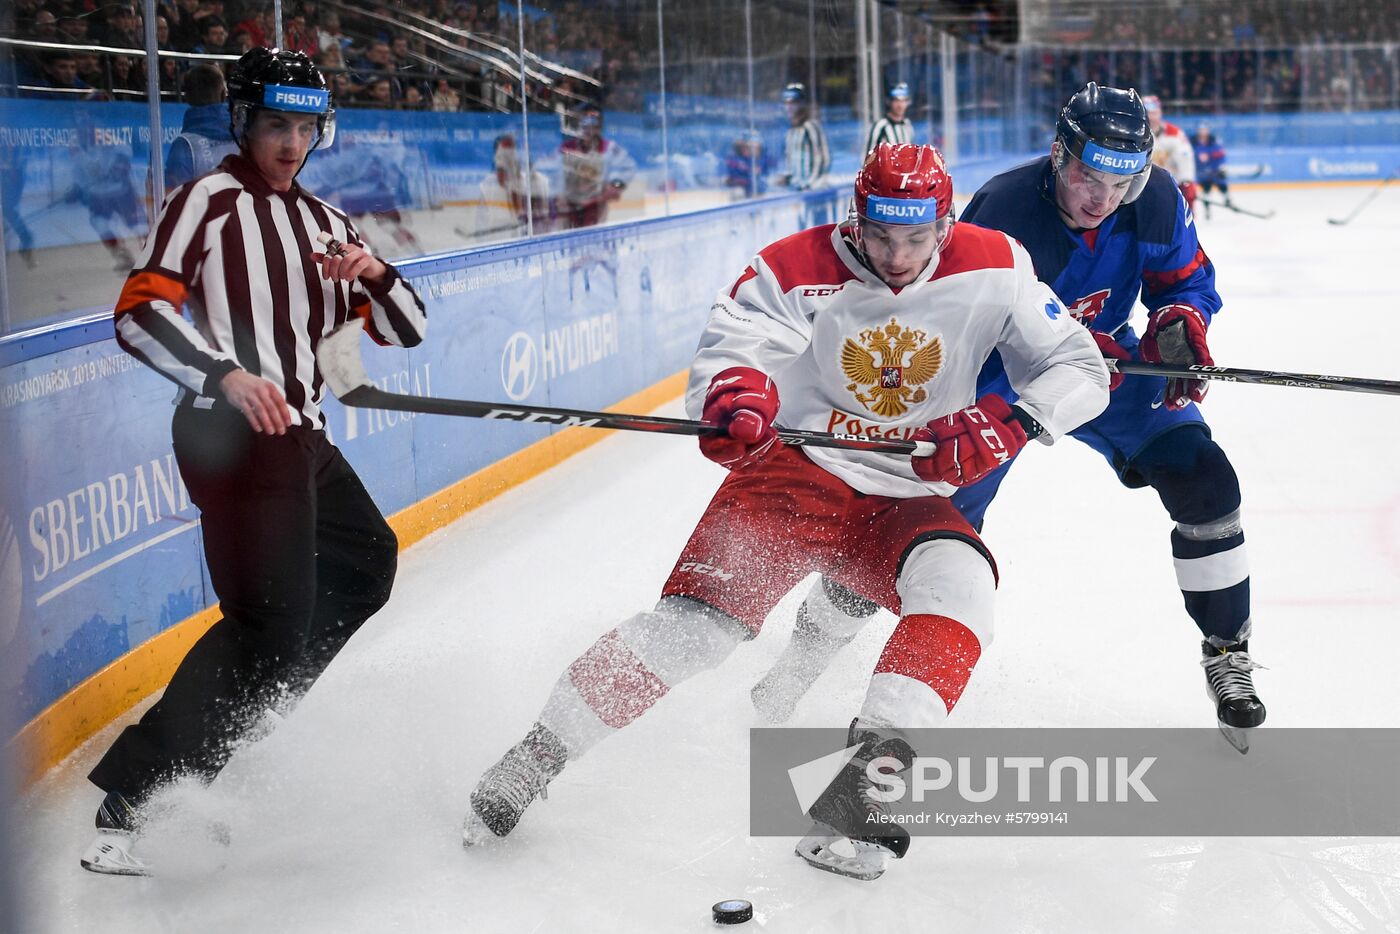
point(733, 911)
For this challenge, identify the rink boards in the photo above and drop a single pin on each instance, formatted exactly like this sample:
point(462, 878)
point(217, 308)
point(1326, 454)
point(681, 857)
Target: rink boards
point(104, 586)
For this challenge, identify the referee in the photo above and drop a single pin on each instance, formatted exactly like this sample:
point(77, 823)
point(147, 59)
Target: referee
point(892, 128)
point(806, 156)
point(298, 553)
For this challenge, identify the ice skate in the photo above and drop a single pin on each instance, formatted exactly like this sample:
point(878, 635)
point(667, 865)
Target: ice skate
point(508, 787)
point(807, 655)
point(118, 829)
point(846, 817)
point(1238, 708)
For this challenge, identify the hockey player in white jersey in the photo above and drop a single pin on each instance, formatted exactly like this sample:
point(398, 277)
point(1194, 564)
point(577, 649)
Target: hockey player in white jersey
point(1171, 149)
point(877, 328)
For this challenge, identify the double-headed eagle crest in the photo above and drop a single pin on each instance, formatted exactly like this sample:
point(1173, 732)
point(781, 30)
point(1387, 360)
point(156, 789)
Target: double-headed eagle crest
point(888, 387)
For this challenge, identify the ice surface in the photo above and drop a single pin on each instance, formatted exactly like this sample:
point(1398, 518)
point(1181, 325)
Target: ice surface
point(346, 819)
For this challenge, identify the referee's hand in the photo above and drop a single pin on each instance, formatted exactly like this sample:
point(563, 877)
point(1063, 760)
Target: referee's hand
point(350, 261)
point(261, 402)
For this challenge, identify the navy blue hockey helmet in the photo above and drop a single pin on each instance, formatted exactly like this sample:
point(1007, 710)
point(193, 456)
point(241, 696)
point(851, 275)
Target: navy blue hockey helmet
point(268, 79)
point(795, 93)
point(1107, 130)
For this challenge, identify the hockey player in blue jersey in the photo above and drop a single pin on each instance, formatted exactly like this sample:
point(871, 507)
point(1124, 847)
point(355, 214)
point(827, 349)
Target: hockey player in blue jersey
point(1104, 228)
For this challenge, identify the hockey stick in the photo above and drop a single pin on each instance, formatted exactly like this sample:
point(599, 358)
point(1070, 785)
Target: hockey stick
point(1231, 374)
point(1240, 175)
point(1367, 200)
point(1230, 206)
point(344, 372)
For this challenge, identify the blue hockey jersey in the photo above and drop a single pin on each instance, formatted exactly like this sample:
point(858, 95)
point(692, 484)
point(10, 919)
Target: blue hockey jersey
point(1147, 248)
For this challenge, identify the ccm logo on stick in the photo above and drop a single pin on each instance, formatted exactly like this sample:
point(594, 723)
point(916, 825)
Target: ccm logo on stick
point(516, 415)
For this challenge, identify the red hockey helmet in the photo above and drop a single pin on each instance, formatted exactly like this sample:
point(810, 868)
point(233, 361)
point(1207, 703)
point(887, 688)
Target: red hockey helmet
point(904, 184)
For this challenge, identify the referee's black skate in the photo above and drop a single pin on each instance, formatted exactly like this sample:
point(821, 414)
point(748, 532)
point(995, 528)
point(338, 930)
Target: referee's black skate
point(846, 816)
point(1230, 686)
point(118, 829)
point(509, 786)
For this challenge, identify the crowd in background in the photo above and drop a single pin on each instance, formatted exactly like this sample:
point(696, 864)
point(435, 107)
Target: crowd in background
point(1168, 23)
point(1202, 56)
point(370, 61)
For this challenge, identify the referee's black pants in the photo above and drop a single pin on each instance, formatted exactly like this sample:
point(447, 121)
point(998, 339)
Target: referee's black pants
point(299, 556)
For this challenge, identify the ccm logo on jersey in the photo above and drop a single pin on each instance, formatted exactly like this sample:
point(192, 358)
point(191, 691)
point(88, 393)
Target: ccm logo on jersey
point(822, 290)
point(709, 570)
point(1088, 308)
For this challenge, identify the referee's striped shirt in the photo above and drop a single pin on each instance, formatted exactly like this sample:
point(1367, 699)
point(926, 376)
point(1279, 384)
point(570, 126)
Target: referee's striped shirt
point(805, 154)
point(238, 253)
point(889, 131)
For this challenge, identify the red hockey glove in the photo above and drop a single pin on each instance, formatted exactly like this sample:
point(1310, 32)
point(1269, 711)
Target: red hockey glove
point(1114, 350)
point(1177, 334)
point(744, 402)
point(1188, 191)
point(970, 444)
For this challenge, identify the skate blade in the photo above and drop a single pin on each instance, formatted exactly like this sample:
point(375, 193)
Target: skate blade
point(1235, 736)
point(867, 865)
point(110, 854)
point(475, 832)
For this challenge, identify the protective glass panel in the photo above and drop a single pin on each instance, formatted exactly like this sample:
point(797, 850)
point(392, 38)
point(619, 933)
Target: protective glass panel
point(718, 152)
point(74, 165)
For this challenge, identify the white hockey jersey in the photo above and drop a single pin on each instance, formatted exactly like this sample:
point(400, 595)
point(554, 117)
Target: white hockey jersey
point(850, 354)
point(1172, 151)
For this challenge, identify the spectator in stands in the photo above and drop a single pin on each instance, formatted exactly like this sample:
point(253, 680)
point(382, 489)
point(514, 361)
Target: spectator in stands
point(262, 26)
point(44, 27)
point(162, 33)
point(123, 30)
point(91, 72)
point(379, 93)
point(128, 80)
point(184, 25)
point(171, 71)
point(298, 37)
point(331, 57)
point(408, 59)
point(445, 99)
point(240, 42)
point(61, 74)
point(73, 29)
point(329, 34)
point(413, 99)
point(205, 138)
point(213, 36)
point(399, 56)
point(342, 90)
point(377, 59)
point(596, 172)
